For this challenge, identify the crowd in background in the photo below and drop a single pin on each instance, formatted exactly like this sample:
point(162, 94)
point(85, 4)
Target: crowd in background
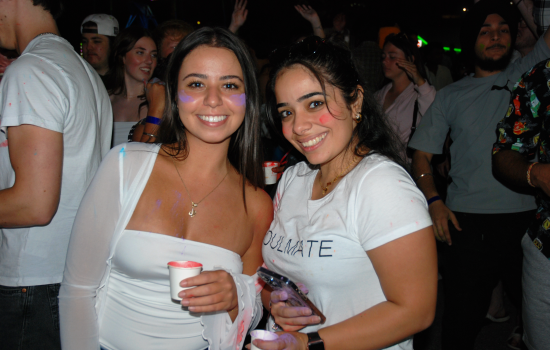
point(446, 111)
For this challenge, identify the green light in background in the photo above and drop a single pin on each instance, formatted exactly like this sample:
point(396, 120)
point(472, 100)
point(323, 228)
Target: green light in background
point(424, 42)
point(449, 49)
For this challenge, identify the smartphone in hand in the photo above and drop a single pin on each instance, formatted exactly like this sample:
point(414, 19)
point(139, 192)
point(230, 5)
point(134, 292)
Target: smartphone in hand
point(295, 295)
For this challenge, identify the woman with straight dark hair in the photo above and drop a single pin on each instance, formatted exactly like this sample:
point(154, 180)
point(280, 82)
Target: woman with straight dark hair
point(193, 196)
point(134, 61)
point(350, 223)
point(407, 97)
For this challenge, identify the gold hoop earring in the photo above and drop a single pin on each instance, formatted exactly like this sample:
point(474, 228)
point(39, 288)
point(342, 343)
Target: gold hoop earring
point(358, 118)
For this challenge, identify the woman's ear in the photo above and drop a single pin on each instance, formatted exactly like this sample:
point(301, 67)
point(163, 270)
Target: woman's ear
point(356, 107)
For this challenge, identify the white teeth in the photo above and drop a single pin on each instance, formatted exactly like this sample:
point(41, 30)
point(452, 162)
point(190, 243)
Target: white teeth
point(212, 119)
point(314, 141)
point(145, 70)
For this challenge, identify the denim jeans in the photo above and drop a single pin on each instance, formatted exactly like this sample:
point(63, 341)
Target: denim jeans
point(29, 317)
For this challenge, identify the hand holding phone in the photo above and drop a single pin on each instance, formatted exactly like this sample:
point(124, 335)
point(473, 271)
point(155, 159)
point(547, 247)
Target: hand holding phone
point(290, 307)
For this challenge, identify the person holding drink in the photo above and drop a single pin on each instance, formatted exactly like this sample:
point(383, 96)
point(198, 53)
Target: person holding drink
point(185, 198)
point(350, 223)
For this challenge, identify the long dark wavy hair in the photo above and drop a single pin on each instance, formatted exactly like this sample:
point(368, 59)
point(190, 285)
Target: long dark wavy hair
point(245, 153)
point(332, 64)
point(125, 41)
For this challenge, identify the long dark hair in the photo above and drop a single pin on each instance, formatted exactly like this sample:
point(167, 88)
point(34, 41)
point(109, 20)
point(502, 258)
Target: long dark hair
point(125, 41)
point(332, 64)
point(412, 54)
point(244, 153)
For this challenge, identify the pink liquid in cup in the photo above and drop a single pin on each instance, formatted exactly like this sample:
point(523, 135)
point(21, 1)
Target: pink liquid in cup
point(180, 270)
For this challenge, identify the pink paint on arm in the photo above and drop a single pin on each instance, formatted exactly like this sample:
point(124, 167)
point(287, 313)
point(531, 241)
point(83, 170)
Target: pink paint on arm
point(184, 98)
point(238, 100)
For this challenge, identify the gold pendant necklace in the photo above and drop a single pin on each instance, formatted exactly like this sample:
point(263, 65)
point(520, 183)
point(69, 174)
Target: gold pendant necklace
point(325, 188)
point(193, 212)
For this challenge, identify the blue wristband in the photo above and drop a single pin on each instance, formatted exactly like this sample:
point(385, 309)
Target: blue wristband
point(433, 199)
point(152, 120)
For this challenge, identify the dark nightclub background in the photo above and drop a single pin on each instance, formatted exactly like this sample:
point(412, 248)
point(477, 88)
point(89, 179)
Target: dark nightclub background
point(275, 22)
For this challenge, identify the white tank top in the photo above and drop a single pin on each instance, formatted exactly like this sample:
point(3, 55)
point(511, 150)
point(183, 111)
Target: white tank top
point(139, 313)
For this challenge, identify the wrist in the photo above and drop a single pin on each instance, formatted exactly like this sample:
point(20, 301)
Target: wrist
point(532, 174)
point(421, 81)
point(433, 199)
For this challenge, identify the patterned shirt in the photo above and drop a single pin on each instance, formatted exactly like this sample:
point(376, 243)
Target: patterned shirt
point(526, 129)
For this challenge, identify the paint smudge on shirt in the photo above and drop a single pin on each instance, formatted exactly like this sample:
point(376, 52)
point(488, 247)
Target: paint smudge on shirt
point(184, 98)
point(123, 152)
point(238, 100)
point(4, 144)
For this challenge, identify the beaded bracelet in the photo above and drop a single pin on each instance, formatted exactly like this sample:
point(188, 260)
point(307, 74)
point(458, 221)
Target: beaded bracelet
point(152, 120)
point(529, 174)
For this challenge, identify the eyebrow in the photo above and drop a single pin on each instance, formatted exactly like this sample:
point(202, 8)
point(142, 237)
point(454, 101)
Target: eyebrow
point(500, 24)
point(204, 76)
point(300, 99)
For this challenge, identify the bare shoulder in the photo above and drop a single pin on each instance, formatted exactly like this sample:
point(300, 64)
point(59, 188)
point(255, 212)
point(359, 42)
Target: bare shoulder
point(257, 200)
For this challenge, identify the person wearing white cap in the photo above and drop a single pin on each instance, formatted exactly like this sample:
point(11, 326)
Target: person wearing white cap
point(98, 34)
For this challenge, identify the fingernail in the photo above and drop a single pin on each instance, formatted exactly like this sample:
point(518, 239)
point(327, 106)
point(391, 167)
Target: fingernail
point(306, 312)
point(185, 302)
point(192, 308)
point(183, 283)
point(317, 319)
point(181, 295)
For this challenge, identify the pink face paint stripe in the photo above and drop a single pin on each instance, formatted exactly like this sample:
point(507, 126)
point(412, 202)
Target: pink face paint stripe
point(239, 99)
point(184, 98)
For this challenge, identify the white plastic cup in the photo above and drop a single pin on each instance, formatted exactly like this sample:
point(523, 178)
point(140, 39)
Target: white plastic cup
point(270, 176)
point(262, 335)
point(180, 270)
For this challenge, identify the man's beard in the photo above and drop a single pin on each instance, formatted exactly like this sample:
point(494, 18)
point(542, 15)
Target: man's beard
point(491, 65)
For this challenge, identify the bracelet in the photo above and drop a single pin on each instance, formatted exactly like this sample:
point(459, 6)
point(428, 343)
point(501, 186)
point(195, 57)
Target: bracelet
point(422, 175)
point(314, 341)
point(529, 174)
point(152, 120)
point(433, 199)
point(150, 135)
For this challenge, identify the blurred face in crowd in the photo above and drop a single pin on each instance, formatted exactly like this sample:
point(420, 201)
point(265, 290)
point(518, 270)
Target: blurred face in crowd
point(390, 55)
point(525, 39)
point(96, 50)
point(493, 45)
point(211, 94)
point(319, 126)
point(141, 60)
point(168, 45)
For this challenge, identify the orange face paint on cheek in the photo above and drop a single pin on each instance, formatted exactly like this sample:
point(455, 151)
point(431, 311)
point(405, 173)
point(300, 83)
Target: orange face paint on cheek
point(325, 118)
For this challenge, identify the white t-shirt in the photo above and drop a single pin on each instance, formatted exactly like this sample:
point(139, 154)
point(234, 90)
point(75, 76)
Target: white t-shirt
point(52, 87)
point(322, 243)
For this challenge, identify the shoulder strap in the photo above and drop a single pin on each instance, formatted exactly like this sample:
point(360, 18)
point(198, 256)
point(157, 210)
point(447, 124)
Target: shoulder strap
point(415, 114)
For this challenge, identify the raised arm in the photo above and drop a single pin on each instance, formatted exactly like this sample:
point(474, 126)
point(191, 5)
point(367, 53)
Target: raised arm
point(239, 16)
point(312, 17)
point(36, 156)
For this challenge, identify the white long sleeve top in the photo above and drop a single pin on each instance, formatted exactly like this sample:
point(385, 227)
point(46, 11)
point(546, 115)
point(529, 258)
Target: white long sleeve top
point(100, 223)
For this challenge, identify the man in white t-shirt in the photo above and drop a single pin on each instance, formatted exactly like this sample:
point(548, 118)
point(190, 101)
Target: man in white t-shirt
point(55, 122)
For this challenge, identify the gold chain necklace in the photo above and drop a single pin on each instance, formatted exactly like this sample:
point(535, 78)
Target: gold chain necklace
point(325, 188)
point(193, 212)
